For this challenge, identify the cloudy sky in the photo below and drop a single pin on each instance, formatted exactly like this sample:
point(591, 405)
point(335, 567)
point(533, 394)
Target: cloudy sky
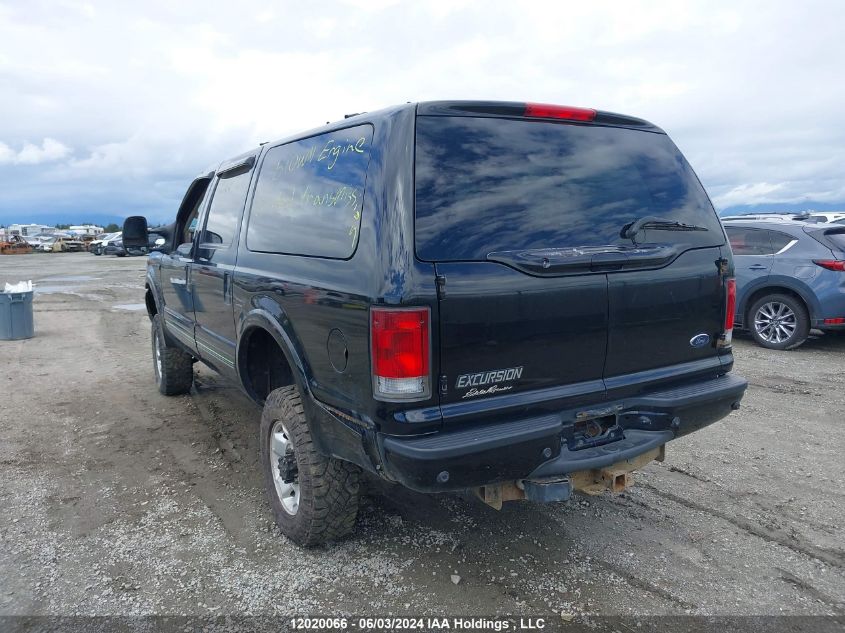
point(110, 108)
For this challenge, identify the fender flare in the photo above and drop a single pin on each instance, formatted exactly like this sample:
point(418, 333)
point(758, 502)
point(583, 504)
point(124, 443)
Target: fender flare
point(267, 321)
point(261, 318)
point(790, 283)
point(746, 292)
point(155, 291)
point(331, 435)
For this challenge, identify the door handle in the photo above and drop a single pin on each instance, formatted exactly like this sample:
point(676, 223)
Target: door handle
point(758, 267)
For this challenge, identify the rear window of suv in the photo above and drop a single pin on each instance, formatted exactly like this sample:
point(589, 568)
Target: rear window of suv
point(488, 185)
point(310, 194)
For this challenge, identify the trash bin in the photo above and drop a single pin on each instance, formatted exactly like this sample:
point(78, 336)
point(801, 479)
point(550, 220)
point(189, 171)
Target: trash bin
point(16, 316)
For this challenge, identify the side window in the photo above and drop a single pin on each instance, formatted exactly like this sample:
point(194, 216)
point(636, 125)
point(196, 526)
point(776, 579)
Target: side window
point(189, 210)
point(746, 241)
point(191, 226)
point(309, 195)
point(227, 203)
point(779, 240)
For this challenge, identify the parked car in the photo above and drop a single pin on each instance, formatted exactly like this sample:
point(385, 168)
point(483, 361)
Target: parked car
point(116, 247)
point(14, 245)
point(758, 216)
point(104, 243)
point(822, 218)
point(62, 244)
point(96, 247)
point(790, 278)
point(519, 299)
point(807, 216)
point(37, 241)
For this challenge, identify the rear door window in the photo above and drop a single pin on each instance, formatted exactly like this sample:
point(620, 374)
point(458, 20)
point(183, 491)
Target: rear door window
point(748, 241)
point(489, 184)
point(227, 203)
point(309, 195)
point(780, 240)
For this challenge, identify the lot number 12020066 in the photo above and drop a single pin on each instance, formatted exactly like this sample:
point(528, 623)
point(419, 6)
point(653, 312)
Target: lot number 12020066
point(319, 624)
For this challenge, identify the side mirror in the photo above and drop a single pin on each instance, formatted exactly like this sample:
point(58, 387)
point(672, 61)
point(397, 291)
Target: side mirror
point(135, 232)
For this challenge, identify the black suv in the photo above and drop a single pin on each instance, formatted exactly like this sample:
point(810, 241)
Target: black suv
point(520, 299)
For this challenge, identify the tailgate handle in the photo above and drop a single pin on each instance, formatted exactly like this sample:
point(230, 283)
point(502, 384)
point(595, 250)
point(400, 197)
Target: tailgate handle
point(587, 258)
point(608, 261)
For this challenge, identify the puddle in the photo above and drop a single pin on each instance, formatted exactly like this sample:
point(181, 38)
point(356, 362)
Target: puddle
point(49, 290)
point(130, 306)
point(71, 278)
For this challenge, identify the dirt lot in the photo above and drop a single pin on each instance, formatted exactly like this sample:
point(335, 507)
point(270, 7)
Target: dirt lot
point(116, 500)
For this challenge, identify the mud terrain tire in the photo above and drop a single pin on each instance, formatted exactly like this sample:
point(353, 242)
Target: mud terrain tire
point(325, 506)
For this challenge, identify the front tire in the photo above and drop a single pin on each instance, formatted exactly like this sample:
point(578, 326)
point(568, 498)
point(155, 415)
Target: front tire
point(173, 367)
point(779, 321)
point(314, 498)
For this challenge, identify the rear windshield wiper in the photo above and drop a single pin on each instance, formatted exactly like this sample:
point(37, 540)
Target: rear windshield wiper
point(657, 224)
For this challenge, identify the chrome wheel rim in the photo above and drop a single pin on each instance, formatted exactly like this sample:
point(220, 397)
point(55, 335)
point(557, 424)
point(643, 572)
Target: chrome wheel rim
point(775, 322)
point(282, 453)
point(157, 354)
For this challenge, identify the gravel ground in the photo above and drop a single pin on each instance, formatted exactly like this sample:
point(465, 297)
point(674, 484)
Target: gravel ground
point(118, 501)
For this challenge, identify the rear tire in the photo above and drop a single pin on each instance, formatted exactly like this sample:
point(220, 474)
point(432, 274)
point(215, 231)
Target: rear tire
point(779, 321)
point(314, 498)
point(173, 367)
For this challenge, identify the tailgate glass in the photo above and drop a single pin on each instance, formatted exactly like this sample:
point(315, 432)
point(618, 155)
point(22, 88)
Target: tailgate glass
point(490, 184)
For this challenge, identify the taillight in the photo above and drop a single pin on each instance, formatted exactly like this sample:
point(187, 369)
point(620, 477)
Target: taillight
point(400, 342)
point(831, 264)
point(548, 111)
point(730, 310)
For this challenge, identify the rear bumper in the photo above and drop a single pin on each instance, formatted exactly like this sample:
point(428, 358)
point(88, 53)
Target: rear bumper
point(550, 445)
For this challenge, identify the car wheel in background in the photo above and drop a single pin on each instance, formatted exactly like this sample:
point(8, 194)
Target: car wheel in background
point(779, 321)
point(173, 367)
point(314, 498)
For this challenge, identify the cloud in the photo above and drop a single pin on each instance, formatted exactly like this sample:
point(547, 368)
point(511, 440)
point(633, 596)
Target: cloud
point(749, 194)
point(791, 192)
point(149, 94)
point(50, 150)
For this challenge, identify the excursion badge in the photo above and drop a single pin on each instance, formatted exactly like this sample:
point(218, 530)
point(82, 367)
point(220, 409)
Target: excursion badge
point(484, 378)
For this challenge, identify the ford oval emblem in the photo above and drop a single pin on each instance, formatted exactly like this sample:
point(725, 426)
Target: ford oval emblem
point(699, 340)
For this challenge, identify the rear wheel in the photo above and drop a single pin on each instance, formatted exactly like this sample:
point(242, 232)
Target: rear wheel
point(173, 367)
point(779, 321)
point(314, 498)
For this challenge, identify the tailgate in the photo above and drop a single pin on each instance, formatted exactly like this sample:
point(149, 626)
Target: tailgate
point(565, 253)
point(663, 318)
point(505, 332)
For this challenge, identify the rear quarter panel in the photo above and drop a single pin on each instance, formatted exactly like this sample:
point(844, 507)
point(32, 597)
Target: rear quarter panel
point(309, 297)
